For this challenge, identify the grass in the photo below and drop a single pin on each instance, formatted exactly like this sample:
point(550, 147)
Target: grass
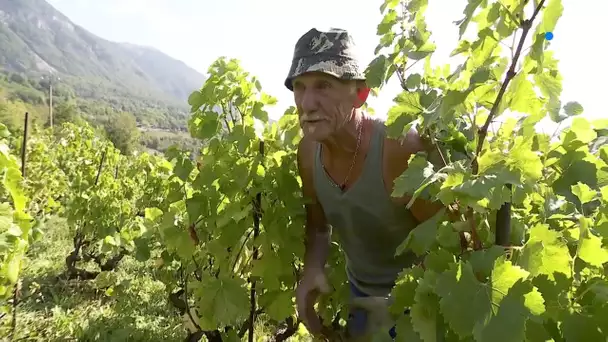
point(53, 308)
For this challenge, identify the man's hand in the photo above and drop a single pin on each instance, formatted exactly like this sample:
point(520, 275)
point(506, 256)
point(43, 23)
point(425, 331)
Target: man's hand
point(313, 283)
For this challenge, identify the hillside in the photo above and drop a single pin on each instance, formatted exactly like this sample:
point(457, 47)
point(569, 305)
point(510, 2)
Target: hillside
point(36, 39)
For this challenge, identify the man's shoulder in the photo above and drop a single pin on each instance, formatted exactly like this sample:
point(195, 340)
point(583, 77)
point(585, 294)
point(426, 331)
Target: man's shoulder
point(306, 148)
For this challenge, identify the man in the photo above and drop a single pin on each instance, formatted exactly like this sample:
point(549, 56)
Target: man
point(348, 166)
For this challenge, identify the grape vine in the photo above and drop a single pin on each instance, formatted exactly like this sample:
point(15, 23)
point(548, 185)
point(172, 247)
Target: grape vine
point(513, 187)
point(16, 222)
point(102, 193)
point(233, 215)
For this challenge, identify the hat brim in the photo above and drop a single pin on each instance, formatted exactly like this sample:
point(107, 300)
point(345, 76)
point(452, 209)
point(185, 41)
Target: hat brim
point(343, 68)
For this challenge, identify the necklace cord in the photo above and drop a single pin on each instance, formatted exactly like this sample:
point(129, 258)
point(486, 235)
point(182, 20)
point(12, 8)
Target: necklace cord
point(352, 164)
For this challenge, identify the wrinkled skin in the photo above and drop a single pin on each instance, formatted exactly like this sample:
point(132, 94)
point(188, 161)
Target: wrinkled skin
point(326, 104)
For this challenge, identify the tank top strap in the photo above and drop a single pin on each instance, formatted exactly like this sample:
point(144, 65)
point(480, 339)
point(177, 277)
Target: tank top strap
point(375, 152)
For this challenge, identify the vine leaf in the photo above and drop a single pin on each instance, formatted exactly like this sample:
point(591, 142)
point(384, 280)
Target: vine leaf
point(221, 301)
point(590, 247)
point(546, 253)
point(423, 237)
point(458, 287)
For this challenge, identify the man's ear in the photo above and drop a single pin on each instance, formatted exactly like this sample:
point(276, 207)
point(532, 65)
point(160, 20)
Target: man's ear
point(362, 95)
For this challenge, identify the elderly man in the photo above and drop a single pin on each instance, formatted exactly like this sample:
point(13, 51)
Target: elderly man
point(348, 166)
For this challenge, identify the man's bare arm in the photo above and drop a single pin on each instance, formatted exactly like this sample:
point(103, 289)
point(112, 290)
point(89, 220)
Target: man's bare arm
point(318, 232)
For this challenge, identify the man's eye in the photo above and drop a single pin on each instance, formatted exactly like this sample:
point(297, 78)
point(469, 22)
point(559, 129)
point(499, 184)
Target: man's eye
point(324, 85)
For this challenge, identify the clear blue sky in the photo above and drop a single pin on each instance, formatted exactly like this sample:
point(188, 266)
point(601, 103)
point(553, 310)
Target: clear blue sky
point(262, 33)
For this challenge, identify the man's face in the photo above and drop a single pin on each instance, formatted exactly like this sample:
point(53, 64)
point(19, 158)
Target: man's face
point(324, 103)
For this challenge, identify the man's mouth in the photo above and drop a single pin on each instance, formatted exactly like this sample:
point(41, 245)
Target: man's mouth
point(312, 121)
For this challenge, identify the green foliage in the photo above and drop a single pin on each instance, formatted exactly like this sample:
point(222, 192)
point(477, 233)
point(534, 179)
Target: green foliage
point(233, 217)
point(12, 115)
point(122, 132)
point(65, 112)
point(94, 103)
point(160, 140)
point(100, 191)
point(16, 223)
point(550, 282)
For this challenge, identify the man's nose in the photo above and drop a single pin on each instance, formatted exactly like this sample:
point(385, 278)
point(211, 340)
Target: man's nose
point(309, 102)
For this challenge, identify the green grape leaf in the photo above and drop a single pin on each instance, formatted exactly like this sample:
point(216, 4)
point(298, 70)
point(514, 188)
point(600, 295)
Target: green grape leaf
point(142, 251)
point(421, 238)
point(504, 276)
point(545, 253)
point(376, 72)
point(404, 290)
point(413, 81)
point(581, 327)
point(418, 172)
point(590, 247)
point(552, 12)
point(12, 181)
point(468, 12)
point(521, 95)
point(405, 330)
point(278, 304)
point(388, 4)
point(439, 260)
point(550, 85)
point(223, 301)
point(582, 129)
point(573, 108)
point(196, 100)
point(259, 113)
point(425, 314)
point(13, 266)
point(387, 23)
point(269, 269)
point(459, 288)
point(183, 168)
point(409, 103)
point(509, 323)
point(197, 206)
point(583, 192)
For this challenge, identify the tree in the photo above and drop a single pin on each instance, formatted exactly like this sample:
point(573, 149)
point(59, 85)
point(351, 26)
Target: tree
point(66, 111)
point(122, 130)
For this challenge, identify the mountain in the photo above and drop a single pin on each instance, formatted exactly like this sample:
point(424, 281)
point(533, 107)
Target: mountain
point(36, 39)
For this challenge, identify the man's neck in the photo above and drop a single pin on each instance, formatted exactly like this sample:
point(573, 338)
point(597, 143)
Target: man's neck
point(344, 142)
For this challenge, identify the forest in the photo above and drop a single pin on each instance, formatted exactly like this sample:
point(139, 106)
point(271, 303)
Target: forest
point(113, 232)
point(131, 124)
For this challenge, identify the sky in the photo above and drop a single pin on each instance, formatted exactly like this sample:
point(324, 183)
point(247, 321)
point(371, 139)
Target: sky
point(262, 34)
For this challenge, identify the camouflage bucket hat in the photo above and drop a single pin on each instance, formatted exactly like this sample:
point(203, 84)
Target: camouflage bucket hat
point(332, 52)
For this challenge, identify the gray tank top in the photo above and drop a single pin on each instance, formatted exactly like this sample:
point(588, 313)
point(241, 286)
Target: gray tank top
point(368, 225)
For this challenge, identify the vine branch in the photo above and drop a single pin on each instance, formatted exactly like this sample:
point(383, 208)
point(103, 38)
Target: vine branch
point(503, 216)
point(257, 213)
point(526, 25)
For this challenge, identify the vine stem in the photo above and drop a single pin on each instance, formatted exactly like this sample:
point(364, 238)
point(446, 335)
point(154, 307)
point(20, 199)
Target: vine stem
point(503, 216)
point(185, 280)
point(526, 25)
point(257, 216)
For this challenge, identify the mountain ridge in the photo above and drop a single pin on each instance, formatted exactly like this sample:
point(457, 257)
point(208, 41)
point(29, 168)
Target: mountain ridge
point(37, 39)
